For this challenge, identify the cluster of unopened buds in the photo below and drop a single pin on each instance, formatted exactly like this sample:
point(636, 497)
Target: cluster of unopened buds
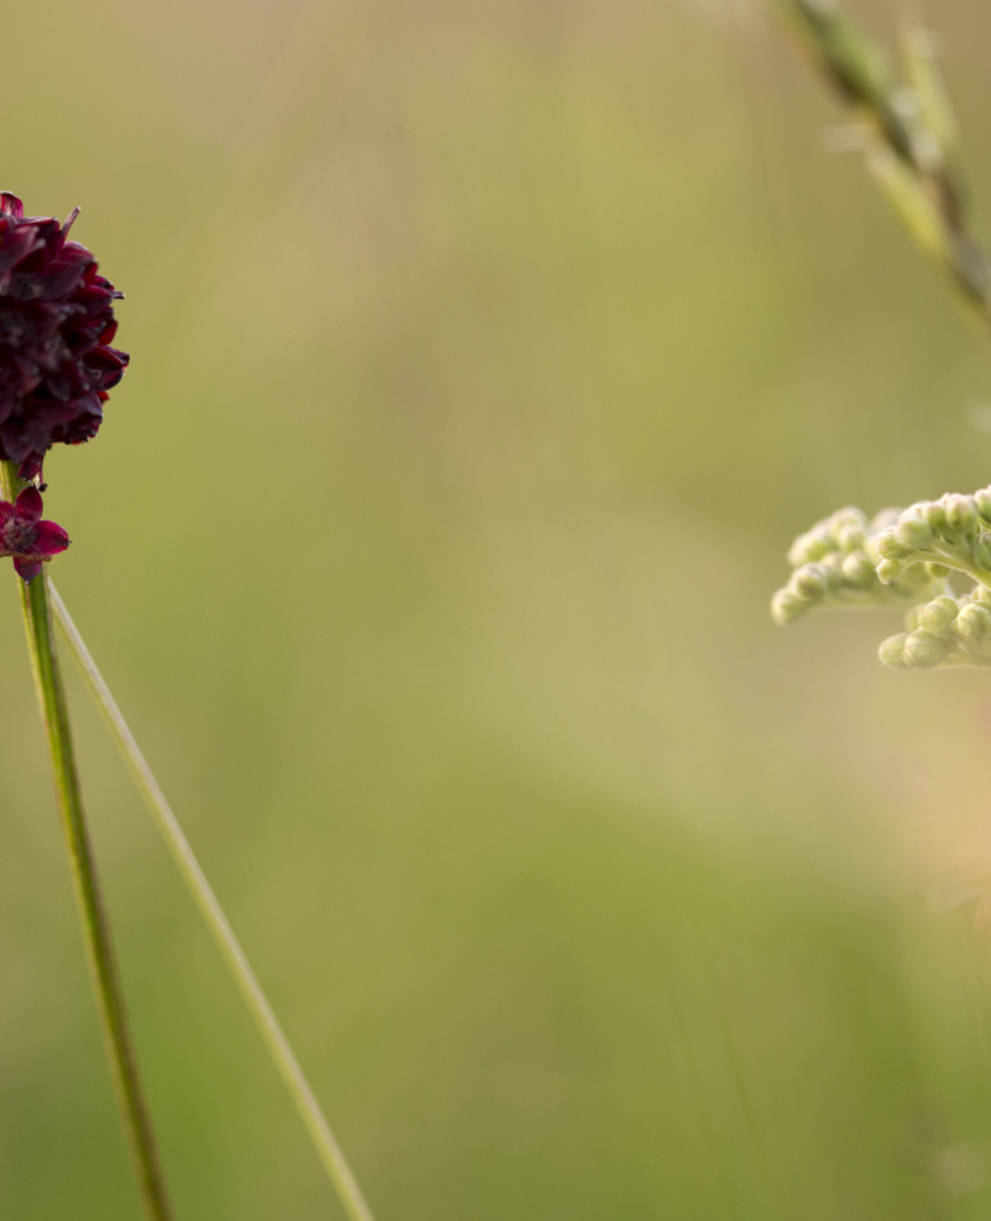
point(57, 365)
point(907, 558)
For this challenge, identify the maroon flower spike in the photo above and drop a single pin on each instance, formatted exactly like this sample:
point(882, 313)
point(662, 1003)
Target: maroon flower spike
point(56, 326)
point(26, 537)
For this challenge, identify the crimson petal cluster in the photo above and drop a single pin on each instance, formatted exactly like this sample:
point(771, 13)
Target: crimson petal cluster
point(56, 327)
point(57, 365)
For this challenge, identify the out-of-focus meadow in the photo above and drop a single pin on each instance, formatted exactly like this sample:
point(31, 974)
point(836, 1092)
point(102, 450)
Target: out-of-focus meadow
point(485, 360)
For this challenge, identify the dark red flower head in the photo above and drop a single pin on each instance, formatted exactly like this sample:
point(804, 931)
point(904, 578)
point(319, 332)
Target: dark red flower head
point(26, 537)
point(56, 326)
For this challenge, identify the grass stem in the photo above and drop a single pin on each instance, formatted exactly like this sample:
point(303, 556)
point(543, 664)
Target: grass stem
point(328, 1149)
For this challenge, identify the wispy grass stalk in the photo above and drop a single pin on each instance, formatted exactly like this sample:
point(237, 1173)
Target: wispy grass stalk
point(303, 1097)
point(96, 932)
point(911, 140)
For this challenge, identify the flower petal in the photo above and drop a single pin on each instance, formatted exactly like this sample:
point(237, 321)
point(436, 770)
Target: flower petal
point(27, 570)
point(70, 221)
point(49, 539)
point(18, 447)
point(28, 506)
point(10, 204)
point(59, 278)
point(31, 466)
point(16, 244)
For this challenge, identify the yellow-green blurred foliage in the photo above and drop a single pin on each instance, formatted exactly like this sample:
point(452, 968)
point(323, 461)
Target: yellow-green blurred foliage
point(486, 358)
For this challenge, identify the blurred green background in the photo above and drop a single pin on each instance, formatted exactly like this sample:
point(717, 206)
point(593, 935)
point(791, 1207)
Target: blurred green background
point(486, 359)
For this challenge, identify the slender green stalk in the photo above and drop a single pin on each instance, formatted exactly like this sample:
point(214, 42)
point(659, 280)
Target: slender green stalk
point(329, 1151)
point(911, 143)
point(51, 698)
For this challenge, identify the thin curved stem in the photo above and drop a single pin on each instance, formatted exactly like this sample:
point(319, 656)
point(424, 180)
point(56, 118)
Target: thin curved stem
point(913, 151)
point(106, 982)
point(329, 1151)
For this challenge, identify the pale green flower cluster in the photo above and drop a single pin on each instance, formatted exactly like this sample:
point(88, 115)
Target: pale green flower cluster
point(903, 557)
point(833, 565)
point(947, 631)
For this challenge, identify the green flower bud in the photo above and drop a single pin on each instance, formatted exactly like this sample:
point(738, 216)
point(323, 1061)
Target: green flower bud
point(810, 582)
point(858, 571)
point(849, 515)
point(982, 595)
point(912, 620)
point(961, 514)
point(938, 572)
point(832, 566)
point(810, 546)
point(887, 571)
point(937, 616)
point(850, 538)
point(887, 545)
point(923, 650)
point(933, 512)
point(913, 531)
point(891, 652)
point(884, 518)
point(982, 503)
point(786, 607)
point(973, 624)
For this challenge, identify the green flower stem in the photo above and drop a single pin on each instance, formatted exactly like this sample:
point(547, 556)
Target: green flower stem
point(329, 1151)
point(51, 698)
point(914, 155)
point(951, 559)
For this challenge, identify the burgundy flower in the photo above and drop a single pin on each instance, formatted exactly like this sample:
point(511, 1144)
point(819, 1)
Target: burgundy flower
point(56, 326)
point(26, 537)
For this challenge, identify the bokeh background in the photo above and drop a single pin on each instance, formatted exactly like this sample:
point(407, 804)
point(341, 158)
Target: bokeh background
point(485, 360)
